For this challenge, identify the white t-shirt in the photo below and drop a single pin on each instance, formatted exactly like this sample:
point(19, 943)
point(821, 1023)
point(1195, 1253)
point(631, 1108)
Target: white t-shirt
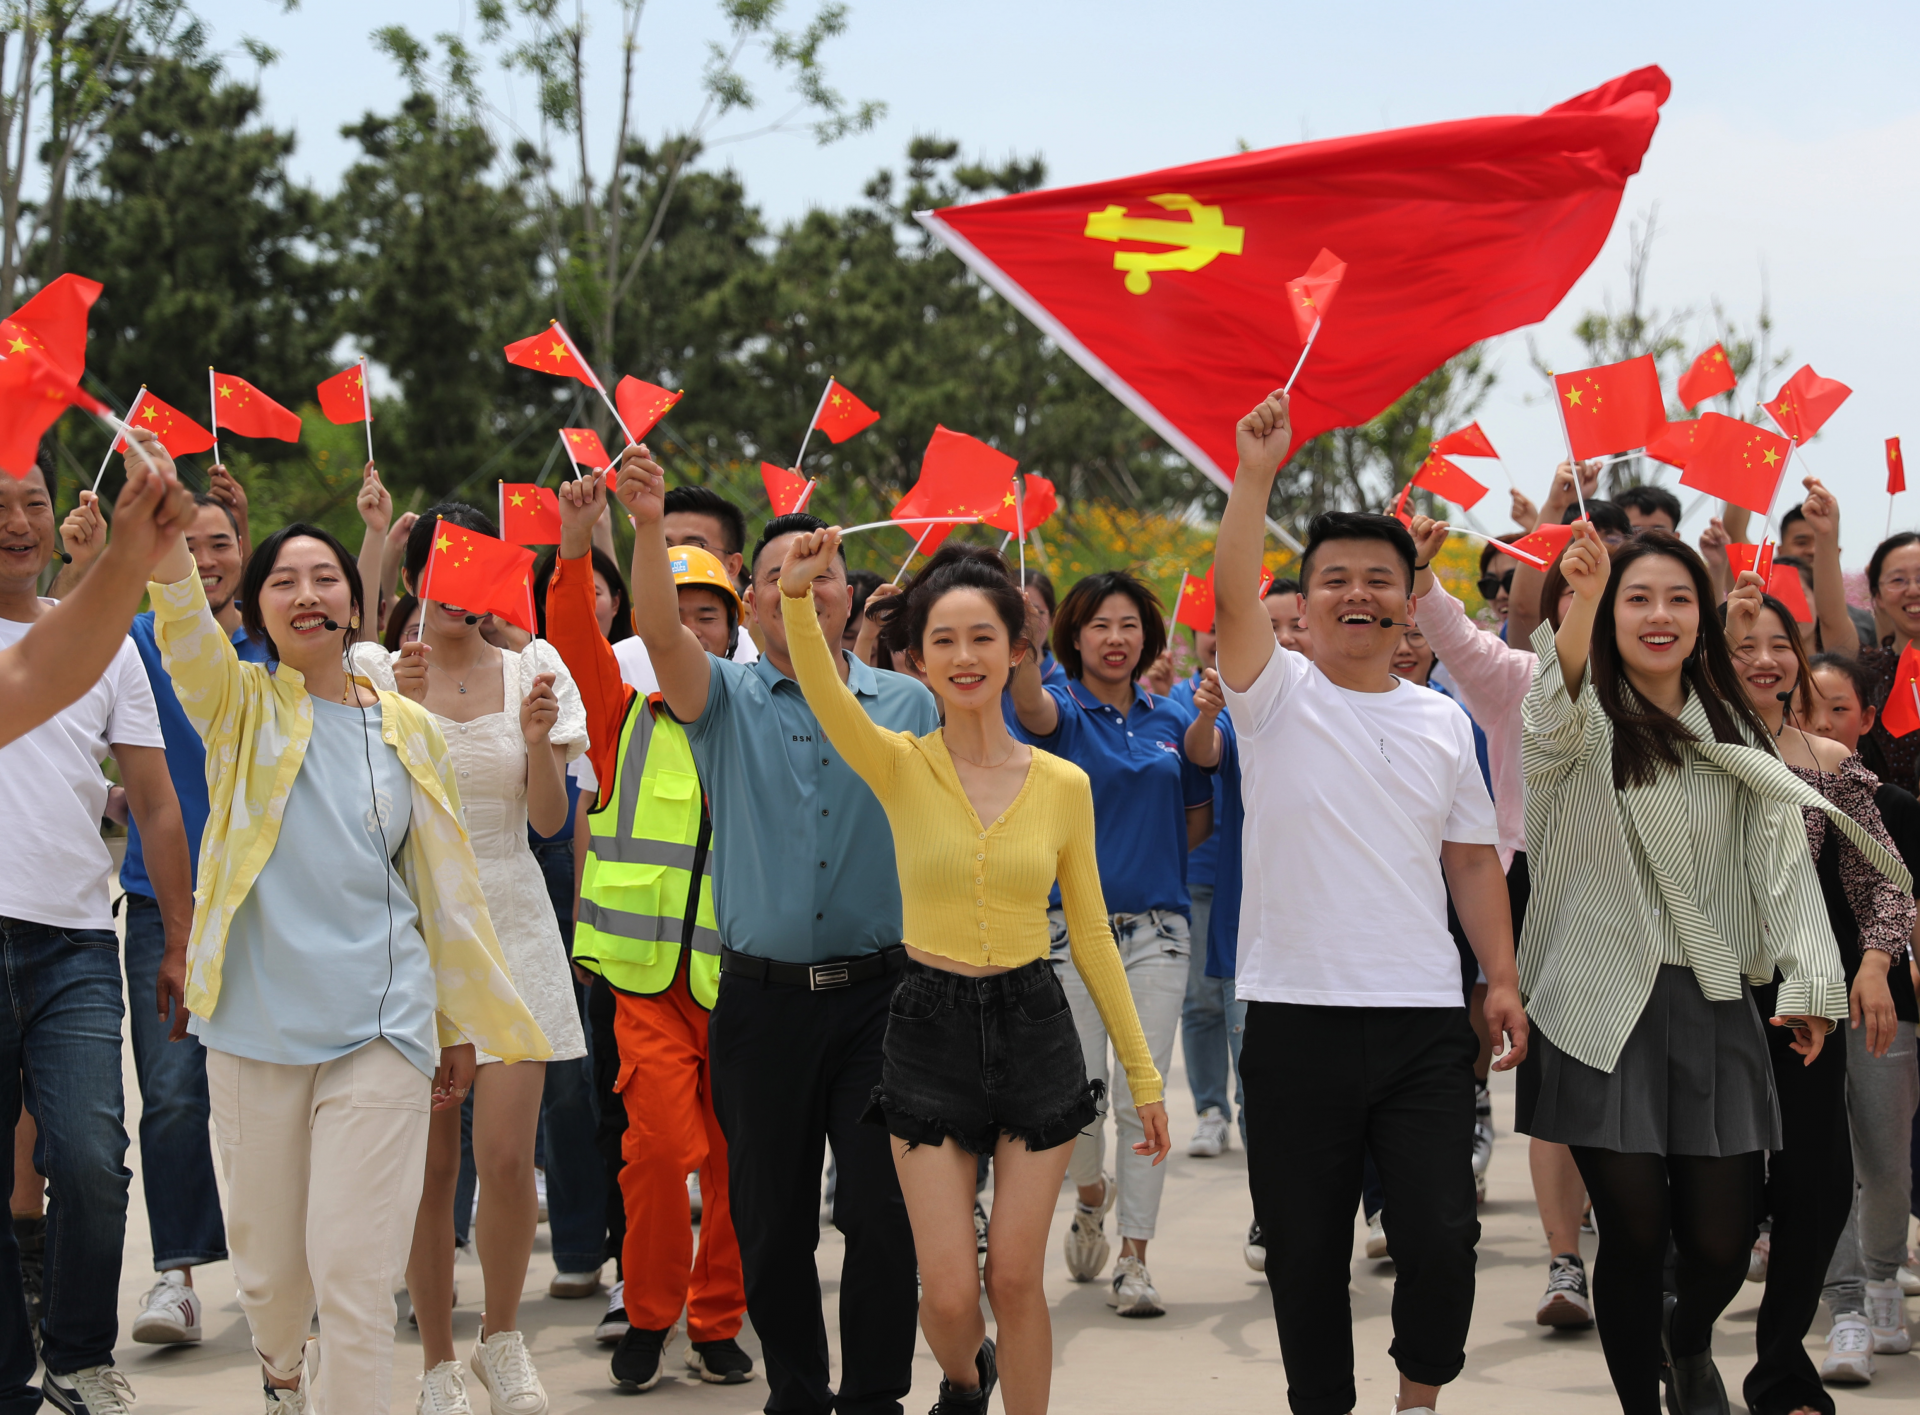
point(636, 669)
point(52, 795)
point(1348, 797)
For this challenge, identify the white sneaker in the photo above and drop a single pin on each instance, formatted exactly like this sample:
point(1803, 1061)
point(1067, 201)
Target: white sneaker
point(92, 1390)
point(1209, 1136)
point(693, 1195)
point(1565, 1303)
point(286, 1402)
point(506, 1374)
point(1757, 1259)
point(1849, 1352)
point(539, 1193)
point(443, 1391)
point(569, 1285)
point(1086, 1247)
point(1887, 1318)
point(1255, 1251)
point(1377, 1237)
point(169, 1313)
point(1133, 1293)
point(613, 1325)
point(1909, 1275)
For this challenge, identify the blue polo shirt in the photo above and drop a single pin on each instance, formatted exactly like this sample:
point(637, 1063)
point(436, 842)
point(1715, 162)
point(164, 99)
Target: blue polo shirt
point(1202, 864)
point(1143, 785)
point(186, 754)
point(803, 867)
point(1050, 673)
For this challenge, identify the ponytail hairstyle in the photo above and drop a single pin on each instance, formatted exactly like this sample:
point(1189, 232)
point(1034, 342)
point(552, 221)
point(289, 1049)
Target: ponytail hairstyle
point(955, 566)
point(1645, 736)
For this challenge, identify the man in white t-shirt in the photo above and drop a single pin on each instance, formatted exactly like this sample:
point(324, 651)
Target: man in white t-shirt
point(1364, 808)
point(60, 1023)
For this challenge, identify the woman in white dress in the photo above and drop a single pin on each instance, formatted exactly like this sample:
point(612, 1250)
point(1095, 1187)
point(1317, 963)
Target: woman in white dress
point(512, 723)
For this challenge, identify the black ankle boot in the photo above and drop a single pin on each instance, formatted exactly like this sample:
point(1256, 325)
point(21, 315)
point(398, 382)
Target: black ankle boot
point(970, 1402)
point(1693, 1382)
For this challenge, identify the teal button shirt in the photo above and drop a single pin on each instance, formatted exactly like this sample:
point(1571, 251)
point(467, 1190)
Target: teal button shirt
point(803, 867)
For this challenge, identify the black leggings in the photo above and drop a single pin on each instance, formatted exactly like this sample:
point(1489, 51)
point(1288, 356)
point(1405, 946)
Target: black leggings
point(1710, 1209)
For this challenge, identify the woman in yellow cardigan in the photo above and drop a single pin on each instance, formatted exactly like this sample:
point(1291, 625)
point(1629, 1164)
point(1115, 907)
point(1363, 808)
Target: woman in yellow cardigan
point(981, 1047)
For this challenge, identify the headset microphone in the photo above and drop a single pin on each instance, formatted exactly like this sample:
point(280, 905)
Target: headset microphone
point(1390, 624)
point(1787, 696)
point(329, 626)
point(473, 619)
point(64, 557)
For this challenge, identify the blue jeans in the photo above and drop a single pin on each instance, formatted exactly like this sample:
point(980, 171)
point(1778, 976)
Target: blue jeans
point(60, 1036)
point(570, 1113)
point(176, 1148)
point(1211, 1023)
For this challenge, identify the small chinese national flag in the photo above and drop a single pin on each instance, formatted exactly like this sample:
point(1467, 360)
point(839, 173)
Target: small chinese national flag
point(1782, 581)
point(1613, 408)
point(1195, 609)
point(1400, 512)
point(1037, 502)
point(1805, 402)
point(1448, 482)
point(1674, 446)
point(548, 352)
point(241, 408)
point(1900, 715)
point(959, 476)
point(178, 433)
point(55, 320)
point(1736, 462)
point(481, 575)
point(342, 398)
point(1707, 375)
point(584, 448)
point(1896, 469)
point(841, 414)
point(784, 488)
point(1539, 547)
point(1468, 442)
point(529, 514)
point(642, 405)
point(1310, 296)
point(1743, 558)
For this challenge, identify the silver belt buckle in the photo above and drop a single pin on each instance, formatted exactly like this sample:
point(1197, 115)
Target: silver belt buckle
point(826, 975)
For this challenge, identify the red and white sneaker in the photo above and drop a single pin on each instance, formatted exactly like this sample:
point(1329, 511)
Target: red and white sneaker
point(169, 1313)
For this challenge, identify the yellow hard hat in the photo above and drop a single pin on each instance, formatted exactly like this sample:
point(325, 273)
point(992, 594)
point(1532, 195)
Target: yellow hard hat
point(693, 566)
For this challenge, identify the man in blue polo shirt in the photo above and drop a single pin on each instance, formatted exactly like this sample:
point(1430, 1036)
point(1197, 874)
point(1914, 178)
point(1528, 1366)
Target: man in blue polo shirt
point(808, 903)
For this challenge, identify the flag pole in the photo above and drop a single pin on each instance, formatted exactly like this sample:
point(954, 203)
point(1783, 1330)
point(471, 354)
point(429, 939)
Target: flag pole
point(910, 554)
point(1178, 595)
point(137, 399)
point(567, 339)
point(1020, 526)
point(366, 404)
point(912, 521)
point(1312, 334)
point(806, 495)
point(810, 423)
point(566, 448)
point(1573, 462)
point(213, 416)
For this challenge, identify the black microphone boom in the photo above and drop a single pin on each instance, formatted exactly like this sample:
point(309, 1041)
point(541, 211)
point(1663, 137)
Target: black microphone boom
point(473, 619)
point(1787, 696)
point(329, 626)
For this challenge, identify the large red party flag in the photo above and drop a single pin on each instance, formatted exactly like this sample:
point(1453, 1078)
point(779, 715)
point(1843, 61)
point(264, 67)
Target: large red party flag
point(343, 398)
point(1038, 501)
point(1448, 482)
point(1805, 402)
point(1736, 462)
point(784, 489)
point(1539, 547)
point(1469, 441)
point(55, 320)
point(1896, 469)
point(529, 514)
point(241, 408)
point(1195, 609)
point(1900, 714)
point(841, 414)
point(1612, 408)
point(1707, 375)
point(1310, 295)
point(1170, 287)
point(1674, 444)
point(642, 404)
point(480, 574)
point(584, 448)
point(33, 393)
point(959, 476)
point(177, 432)
point(549, 352)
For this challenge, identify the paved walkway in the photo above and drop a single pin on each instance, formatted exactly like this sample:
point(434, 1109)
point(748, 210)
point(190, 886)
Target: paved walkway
point(1214, 1350)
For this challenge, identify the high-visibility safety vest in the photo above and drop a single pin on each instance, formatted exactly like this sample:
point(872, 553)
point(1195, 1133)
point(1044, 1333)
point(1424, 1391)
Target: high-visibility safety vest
point(639, 907)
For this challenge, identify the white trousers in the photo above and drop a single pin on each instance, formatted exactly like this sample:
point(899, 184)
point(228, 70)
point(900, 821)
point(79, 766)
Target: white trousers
point(324, 1169)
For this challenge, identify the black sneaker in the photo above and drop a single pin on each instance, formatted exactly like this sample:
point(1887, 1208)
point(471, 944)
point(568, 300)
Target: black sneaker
point(720, 1363)
point(980, 1234)
point(31, 1234)
point(971, 1402)
point(638, 1361)
point(1256, 1250)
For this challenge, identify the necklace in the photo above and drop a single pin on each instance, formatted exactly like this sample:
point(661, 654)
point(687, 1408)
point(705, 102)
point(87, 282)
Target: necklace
point(984, 766)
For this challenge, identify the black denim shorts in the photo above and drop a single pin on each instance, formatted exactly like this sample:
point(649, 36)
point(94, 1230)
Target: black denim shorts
point(977, 1058)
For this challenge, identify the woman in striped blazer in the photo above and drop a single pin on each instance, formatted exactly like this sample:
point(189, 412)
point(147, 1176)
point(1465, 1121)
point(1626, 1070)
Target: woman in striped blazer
point(1670, 872)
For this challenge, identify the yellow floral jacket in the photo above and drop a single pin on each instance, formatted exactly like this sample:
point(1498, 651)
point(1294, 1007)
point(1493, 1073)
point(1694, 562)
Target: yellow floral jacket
point(256, 725)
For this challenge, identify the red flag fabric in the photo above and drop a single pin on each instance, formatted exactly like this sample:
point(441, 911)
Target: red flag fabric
point(1783, 581)
point(1037, 503)
point(1736, 462)
point(1539, 547)
point(784, 488)
point(1896, 469)
point(241, 408)
point(56, 320)
point(342, 398)
point(1674, 444)
point(1900, 715)
point(547, 352)
point(1470, 441)
point(1169, 287)
point(1400, 512)
point(33, 393)
point(1310, 296)
point(177, 432)
point(529, 514)
point(1266, 582)
point(1195, 609)
point(959, 476)
point(481, 575)
point(584, 447)
point(1448, 482)
point(1707, 375)
point(642, 405)
point(841, 414)
point(1612, 408)
point(1805, 402)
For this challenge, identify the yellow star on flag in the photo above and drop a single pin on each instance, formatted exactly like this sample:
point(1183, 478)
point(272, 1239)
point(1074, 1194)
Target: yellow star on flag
point(558, 351)
point(226, 390)
point(18, 346)
point(1573, 397)
point(443, 544)
point(149, 412)
point(518, 499)
point(1770, 456)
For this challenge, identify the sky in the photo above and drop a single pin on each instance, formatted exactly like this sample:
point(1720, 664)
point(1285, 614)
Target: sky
point(1784, 163)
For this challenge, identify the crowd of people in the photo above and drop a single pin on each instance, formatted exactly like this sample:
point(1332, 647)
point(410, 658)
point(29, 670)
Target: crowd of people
point(744, 867)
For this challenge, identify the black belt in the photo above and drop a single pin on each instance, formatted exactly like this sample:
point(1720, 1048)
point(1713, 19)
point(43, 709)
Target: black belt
point(815, 977)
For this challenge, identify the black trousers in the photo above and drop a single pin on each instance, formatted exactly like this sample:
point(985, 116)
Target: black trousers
point(793, 1071)
point(1325, 1086)
point(611, 1133)
point(1809, 1190)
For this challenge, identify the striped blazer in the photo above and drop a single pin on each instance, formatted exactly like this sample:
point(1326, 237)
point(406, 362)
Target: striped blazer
point(1707, 867)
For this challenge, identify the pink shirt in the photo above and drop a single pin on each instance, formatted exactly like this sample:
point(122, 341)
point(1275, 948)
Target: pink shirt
point(1492, 678)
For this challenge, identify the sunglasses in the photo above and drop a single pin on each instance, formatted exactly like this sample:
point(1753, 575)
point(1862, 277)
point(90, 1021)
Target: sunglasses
point(1491, 585)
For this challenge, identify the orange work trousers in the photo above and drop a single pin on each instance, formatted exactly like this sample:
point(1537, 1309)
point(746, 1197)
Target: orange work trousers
point(667, 1088)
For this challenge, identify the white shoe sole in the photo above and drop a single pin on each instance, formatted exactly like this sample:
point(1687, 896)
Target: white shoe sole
point(1564, 1313)
point(1854, 1371)
point(1255, 1258)
point(1895, 1342)
point(1377, 1249)
point(163, 1331)
point(714, 1378)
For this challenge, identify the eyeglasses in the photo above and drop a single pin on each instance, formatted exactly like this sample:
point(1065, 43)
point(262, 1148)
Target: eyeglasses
point(1491, 585)
point(1899, 584)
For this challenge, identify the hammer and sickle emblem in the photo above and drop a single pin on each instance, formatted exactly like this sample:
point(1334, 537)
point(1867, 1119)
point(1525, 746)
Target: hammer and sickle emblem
point(1197, 240)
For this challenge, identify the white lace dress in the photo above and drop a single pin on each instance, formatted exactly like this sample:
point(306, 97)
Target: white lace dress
point(490, 759)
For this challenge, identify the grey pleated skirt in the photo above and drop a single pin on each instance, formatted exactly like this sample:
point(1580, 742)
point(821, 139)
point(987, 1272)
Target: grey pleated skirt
point(1693, 1079)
